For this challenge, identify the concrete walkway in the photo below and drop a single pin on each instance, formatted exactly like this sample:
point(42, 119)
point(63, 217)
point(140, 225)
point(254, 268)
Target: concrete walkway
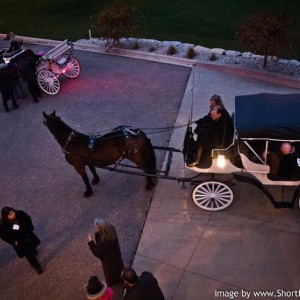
point(231, 254)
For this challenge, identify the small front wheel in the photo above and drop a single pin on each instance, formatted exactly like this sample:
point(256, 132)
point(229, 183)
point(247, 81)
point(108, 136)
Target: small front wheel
point(48, 82)
point(212, 195)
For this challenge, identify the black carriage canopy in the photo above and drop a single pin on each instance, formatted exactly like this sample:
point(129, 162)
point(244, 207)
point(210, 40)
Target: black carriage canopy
point(268, 116)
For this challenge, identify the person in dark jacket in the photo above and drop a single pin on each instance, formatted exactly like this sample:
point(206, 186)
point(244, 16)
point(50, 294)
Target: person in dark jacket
point(289, 165)
point(144, 287)
point(16, 229)
point(6, 89)
point(27, 71)
point(106, 247)
point(17, 86)
point(214, 101)
point(214, 132)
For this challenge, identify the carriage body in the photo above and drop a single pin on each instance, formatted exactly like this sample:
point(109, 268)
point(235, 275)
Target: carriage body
point(262, 122)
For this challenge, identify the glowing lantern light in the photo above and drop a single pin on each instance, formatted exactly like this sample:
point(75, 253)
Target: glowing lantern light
point(221, 161)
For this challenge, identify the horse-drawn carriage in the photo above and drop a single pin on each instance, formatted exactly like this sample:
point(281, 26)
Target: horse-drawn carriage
point(261, 122)
point(50, 66)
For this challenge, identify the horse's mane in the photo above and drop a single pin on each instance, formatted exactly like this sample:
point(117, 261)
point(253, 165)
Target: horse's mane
point(120, 131)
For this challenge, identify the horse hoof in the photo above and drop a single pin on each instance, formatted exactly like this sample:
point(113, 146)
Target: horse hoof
point(149, 187)
point(88, 194)
point(96, 180)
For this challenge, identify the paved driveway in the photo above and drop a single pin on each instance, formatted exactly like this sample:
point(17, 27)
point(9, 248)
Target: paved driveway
point(36, 178)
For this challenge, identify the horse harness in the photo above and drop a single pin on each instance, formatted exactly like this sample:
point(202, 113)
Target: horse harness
point(67, 142)
point(129, 144)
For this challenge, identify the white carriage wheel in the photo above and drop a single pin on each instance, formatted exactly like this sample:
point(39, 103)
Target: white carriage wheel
point(72, 68)
point(48, 82)
point(212, 195)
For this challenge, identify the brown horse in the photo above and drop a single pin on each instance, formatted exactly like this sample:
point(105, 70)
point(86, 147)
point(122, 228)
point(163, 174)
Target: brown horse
point(100, 151)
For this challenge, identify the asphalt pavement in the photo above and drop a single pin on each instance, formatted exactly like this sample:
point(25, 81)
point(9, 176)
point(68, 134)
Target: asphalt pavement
point(35, 177)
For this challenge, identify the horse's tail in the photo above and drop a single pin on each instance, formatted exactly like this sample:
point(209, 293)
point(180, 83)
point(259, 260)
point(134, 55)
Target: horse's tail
point(150, 162)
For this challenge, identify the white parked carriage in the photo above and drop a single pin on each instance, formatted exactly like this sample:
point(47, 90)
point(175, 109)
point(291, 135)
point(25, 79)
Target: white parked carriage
point(50, 66)
point(54, 63)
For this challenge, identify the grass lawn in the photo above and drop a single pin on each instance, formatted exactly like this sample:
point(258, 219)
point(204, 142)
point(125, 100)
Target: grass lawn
point(202, 22)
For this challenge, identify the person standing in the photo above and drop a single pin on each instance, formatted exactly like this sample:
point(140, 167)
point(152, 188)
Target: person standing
point(16, 229)
point(97, 290)
point(144, 287)
point(17, 86)
point(106, 247)
point(6, 89)
point(27, 71)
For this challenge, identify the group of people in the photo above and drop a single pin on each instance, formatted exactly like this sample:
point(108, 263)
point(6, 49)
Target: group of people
point(16, 229)
point(105, 246)
point(12, 75)
point(214, 131)
point(143, 287)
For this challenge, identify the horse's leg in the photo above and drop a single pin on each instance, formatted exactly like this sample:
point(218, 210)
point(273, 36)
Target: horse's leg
point(80, 169)
point(138, 160)
point(150, 183)
point(96, 178)
point(146, 161)
point(150, 163)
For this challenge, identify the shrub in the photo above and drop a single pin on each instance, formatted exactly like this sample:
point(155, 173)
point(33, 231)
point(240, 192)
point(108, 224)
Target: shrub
point(117, 21)
point(171, 50)
point(136, 46)
point(267, 33)
point(152, 48)
point(191, 53)
point(212, 57)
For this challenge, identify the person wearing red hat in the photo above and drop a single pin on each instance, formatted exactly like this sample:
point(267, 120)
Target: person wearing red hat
point(97, 290)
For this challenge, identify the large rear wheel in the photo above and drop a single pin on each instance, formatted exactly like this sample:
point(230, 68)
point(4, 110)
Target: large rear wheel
point(48, 82)
point(212, 195)
point(72, 68)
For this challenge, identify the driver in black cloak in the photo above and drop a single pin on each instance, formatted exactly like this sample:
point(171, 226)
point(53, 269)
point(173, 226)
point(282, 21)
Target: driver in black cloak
point(214, 131)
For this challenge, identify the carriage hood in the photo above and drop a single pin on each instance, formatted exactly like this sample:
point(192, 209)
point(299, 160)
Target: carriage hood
point(268, 116)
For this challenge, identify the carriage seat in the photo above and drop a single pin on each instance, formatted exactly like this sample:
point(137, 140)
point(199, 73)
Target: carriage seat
point(62, 61)
point(253, 167)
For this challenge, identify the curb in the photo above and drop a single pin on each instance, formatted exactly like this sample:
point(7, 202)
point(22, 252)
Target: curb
point(114, 51)
point(224, 68)
point(253, 74)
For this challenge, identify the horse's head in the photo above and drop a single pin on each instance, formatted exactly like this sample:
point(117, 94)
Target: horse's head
point(54, 123)
point(57, 127)
point(50, 119)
